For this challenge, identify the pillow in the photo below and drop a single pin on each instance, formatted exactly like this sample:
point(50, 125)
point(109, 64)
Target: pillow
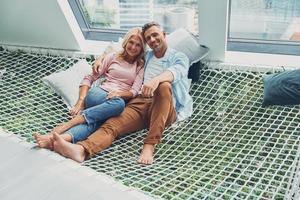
point(185, 42)
point(66, 83)
point(282, 88)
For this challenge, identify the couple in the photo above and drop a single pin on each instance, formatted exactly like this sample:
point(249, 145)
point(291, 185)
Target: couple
point(162, 100)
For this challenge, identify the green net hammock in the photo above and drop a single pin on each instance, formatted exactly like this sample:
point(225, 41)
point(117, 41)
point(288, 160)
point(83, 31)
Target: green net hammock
point(231, 148)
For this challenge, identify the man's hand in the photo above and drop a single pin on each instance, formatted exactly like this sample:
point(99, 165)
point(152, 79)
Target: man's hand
point(112, 94)
point(79, 106)
point(97, 65)
point(149, 87)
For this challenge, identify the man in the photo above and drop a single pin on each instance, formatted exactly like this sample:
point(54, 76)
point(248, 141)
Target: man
point(164, 99)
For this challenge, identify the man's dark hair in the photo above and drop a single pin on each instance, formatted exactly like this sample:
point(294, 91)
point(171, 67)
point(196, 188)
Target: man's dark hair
point(149, 25)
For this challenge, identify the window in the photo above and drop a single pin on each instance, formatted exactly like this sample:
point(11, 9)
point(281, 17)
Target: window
point(265, 26)
point(110, 19)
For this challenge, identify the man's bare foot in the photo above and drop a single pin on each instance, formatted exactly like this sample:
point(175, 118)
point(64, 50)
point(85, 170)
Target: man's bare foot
point(43, 141)
point(73, 151)
point(146, 156)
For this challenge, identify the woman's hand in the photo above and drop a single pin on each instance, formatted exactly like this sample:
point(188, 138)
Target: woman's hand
point(112, 94)
point(79, 106)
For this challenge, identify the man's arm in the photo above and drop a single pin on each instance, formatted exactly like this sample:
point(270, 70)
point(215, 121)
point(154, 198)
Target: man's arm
point(180, 67)
point(149, 87)
point(98, 64)
point(176, 72)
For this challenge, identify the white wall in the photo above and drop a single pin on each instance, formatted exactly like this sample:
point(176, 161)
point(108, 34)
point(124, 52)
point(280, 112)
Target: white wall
point(42, 23)
point(213, 26)
point(37, 23)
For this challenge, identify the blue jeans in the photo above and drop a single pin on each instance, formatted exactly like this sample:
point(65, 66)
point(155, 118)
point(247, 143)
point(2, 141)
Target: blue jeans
point(97, 110)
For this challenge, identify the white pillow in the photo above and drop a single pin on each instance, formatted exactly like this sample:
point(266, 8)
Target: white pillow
point(66, 83)
point(185, 42)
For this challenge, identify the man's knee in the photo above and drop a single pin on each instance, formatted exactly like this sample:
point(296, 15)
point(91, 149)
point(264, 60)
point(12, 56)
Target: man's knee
point(164, 89)
point(111, 127)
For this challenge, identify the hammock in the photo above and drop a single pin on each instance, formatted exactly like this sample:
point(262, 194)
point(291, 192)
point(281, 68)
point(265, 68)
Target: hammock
point(231, 148)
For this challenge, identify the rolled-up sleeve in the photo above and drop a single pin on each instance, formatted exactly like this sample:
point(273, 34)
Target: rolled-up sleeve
point(137, 84)
point(89, 79)
point(180, 66)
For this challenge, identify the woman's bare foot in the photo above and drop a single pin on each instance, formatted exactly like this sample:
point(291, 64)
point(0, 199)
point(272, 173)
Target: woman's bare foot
point(44, 141)
point(73, 151)
point(146, 156)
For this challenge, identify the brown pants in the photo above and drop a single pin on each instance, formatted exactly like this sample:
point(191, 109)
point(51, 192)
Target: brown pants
point(154, 113)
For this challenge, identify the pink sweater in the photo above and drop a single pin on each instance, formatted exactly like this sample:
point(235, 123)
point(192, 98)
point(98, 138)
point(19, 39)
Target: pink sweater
point(119, 75)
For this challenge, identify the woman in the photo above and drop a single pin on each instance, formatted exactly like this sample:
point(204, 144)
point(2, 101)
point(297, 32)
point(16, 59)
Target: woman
point(123, 73)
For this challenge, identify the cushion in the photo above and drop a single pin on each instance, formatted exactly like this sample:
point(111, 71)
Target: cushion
point(282, 88)
point(66, 83)
point(185, 42)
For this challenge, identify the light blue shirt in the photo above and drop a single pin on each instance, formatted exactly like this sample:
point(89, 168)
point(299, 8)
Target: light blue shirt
point(153, 68)
point(178, 64)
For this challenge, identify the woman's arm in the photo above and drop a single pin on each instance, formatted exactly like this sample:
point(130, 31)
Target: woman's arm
point(126, 95)
point(79, 106)
point(138, 82)
point(135, 88)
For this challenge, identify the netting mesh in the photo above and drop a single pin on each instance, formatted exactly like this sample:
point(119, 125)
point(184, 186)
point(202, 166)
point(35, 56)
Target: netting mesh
point(231, 148)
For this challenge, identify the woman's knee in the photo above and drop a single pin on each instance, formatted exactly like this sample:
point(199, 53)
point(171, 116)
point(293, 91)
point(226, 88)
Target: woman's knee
point(119, 105)
point(94, 97)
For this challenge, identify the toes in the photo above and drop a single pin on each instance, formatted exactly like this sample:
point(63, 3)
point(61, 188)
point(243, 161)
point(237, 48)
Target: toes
point(51, 140)
point(139, 161)
point(55, 136)
point(145, 161)
point(35, 135)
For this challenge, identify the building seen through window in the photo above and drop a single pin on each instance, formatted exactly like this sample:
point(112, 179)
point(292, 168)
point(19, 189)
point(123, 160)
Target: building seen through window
point(125, 14)
point(272, 22)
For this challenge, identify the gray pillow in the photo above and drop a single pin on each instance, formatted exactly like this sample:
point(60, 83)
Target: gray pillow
point(185, 42)
point(66, 83)
point(282, 88)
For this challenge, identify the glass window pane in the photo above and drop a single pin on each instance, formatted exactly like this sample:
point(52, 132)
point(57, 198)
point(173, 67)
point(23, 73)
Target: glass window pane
point(265, 22)
point(124, 14)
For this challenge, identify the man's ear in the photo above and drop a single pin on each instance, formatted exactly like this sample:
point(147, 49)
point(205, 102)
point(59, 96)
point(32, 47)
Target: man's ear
point(164, 33)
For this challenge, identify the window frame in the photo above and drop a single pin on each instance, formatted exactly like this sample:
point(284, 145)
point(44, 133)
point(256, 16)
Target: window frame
point(93, 33)
point(90, 33)
point(260, 46)
point(219, 44)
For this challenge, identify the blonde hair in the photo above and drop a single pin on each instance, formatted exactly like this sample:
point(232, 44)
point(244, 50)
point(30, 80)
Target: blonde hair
point(131, 32)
